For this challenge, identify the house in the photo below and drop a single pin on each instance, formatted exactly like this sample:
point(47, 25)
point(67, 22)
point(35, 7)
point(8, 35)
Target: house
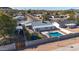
point(5, 8)
point(57, 18)
point(25, 23)
point(71, 25)
point(42, 26)
point(19, 17)
point(64, 16)
point(76, 15)
point(38, 16)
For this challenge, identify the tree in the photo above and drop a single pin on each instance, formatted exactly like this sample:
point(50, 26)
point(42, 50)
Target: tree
point(7, 25)
point(28, 35)
point(45, 16)
point(77, 21)
point(29, 11)
point(71, 14)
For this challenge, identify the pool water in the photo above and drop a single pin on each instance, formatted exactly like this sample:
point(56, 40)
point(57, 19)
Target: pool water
point(55, 34)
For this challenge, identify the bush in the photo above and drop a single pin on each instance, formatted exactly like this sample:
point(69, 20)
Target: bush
point(38, 36)
point(6, 41)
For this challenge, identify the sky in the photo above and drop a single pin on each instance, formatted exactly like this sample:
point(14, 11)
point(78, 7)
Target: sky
point(40, 3)
point(45, 8)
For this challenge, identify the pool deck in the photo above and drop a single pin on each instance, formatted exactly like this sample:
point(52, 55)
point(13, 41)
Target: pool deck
point(46, 33)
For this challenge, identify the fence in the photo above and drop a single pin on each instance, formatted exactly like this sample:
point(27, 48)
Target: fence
point(40, 42)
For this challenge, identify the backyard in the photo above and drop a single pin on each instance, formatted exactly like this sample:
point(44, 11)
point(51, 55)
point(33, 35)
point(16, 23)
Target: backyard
point(58, 44)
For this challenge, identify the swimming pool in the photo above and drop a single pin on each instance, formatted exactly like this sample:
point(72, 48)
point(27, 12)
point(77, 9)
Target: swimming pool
point(55, 34)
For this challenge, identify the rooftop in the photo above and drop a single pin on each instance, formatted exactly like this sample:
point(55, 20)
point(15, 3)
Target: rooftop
point(19, 17)
point(40, 23)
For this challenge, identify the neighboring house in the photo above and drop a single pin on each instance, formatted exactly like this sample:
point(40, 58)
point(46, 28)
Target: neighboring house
point(64, 16)
point(77, 15)
point(71, 25)
point(59, 18)
point(19, 17)
point(38, 16)
point(42, 26)
point(25, 23)
point(5, 8)
point(64, 22)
